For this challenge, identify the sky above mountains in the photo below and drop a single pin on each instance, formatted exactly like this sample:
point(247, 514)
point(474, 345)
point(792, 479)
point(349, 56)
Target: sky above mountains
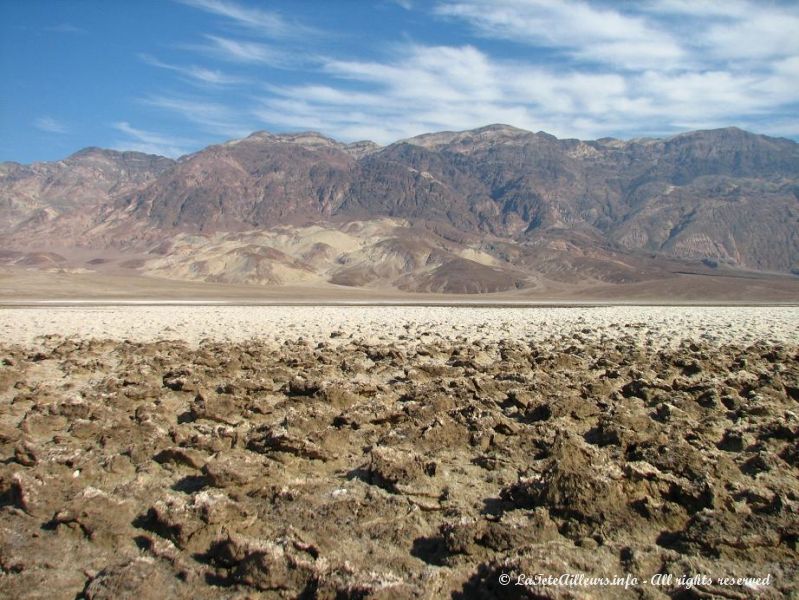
point(171, 76)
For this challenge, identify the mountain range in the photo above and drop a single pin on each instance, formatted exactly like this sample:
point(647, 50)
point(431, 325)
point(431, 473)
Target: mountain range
point(495, 209)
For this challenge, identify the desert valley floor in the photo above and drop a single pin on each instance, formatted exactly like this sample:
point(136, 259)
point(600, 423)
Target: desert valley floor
point(398, 451)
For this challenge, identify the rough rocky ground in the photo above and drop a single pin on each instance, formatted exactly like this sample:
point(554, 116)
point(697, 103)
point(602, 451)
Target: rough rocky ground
point(322, 462)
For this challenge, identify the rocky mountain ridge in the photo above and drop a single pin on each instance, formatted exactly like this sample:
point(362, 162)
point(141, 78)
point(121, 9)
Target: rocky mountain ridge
point(531, 205)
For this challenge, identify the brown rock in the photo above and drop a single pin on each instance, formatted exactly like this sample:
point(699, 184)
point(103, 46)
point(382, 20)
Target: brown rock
point(271, 440)
point(181, 456)
point(233, 468)
point(142, 578)
point(215, 407)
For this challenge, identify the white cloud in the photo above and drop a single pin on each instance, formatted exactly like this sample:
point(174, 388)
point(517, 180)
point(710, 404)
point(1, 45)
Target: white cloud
point(260, 21)
point(780, 127)
point(65, 28)
point(442, 72)
point(195, 73)
point(434, 88)
point(765, 34)
point(660, 34)
point(149, 142)
point(241, 51)
point(210, 117)
point(580, 69)
point(426, 88)
point(50, 125)
point(711, 95)
point(576, 28)
point(728, 9)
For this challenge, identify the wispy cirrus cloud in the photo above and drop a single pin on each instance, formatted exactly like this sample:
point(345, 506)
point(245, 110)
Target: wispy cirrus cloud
point(737, 33)
point(50, 125)
point(771, 34)
point(597, 69)
point(209, 116)
point(406, 4)
point(433, 88)
point(210, 112)
point(427, 88)
point(577, 29)
point(243, 51)
point(195, 73)
point(573, 68)
point(65, 28)
point(150, 142)
point(259, 21)
point(660, 34)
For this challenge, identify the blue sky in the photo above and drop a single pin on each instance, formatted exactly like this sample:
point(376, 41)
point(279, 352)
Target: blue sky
point(172, 76)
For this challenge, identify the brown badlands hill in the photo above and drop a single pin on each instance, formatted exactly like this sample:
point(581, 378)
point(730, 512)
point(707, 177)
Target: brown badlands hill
point(492, 210)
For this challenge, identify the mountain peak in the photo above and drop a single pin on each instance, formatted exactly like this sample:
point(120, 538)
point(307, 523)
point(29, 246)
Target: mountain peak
point(361, 148)
point(729, 132)
point(735, 139)
point(498, 128)
point(307, 139)
point(90, 151)
point(480, 136)
point(94, 152)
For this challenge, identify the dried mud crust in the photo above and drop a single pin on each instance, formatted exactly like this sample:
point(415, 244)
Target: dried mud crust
point(416, 469)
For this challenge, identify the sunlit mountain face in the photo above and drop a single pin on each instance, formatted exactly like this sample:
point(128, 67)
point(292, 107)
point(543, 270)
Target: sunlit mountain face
point(486, 210)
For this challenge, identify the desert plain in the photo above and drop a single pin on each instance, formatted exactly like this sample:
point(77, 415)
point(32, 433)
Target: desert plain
point(378, 451)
